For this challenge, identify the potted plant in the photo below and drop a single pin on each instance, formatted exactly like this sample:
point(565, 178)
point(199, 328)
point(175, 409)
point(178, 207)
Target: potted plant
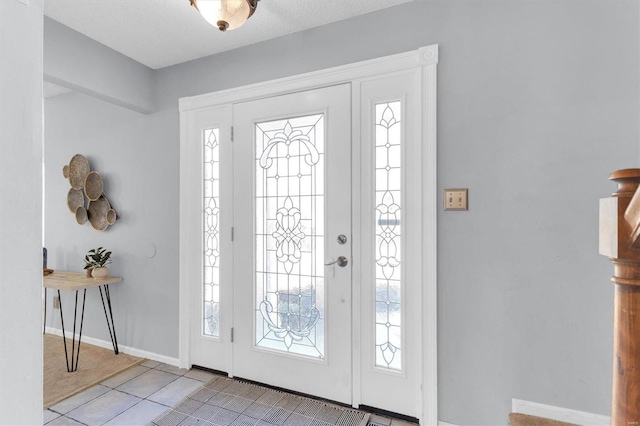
point(95, 261)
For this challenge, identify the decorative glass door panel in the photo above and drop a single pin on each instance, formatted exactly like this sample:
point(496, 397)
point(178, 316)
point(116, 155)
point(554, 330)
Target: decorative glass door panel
point(211, 215)
point(388, 211)
point(289, 235)
point(292, 199)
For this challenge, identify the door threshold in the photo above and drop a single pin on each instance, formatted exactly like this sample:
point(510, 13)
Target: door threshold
point(210, 370)
point(389, 414)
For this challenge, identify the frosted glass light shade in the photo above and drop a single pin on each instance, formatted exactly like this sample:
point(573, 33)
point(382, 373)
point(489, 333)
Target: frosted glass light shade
point(225, 14)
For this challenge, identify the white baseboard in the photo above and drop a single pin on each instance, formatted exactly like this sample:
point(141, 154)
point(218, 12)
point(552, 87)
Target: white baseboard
point(124, 349)
point(441, 423)
point(559, 413)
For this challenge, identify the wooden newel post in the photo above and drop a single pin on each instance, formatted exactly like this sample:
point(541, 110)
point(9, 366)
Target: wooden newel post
point(619, 232)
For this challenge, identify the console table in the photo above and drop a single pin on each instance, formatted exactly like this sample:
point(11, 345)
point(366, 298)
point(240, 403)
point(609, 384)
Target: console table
point(76, 281)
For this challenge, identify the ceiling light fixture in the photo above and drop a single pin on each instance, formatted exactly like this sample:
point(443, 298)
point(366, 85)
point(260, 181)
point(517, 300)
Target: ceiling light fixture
point(225, 14)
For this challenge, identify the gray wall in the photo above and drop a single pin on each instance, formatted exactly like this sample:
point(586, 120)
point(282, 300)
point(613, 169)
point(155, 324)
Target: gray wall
point(537, 104)
point(21, 212)
point(139, 166)
point(81, 64)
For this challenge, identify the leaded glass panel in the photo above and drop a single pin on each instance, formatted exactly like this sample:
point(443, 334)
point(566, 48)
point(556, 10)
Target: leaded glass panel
point(211, 243)
point(290, 235)
point(388, 211)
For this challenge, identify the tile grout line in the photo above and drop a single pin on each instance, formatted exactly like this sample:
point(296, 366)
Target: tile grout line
point(66, 416)
point(145, 398)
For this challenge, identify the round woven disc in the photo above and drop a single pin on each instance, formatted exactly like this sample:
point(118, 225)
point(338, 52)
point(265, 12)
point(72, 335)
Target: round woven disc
point(93, 186)
point(75, 199)
point(78, 171)
point(81, 215)
point(98, 213)
point(111, 216)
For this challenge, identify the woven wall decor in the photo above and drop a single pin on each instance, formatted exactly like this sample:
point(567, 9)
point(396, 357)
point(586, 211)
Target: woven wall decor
point(86, 198)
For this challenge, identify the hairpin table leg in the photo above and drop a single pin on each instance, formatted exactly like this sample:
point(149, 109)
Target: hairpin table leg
point(75, 352)
point(109, 317)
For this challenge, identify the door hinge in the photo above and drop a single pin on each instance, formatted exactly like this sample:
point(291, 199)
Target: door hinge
point(232, 233)
point(231, 133)
point(231, 334)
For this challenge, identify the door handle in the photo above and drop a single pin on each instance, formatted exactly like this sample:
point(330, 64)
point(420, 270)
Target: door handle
point(341, 261)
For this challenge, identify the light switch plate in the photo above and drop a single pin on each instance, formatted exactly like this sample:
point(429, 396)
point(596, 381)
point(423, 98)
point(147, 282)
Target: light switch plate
point(456, 199)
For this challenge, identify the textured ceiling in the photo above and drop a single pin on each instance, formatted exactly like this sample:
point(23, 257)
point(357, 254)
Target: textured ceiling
point(159, 33)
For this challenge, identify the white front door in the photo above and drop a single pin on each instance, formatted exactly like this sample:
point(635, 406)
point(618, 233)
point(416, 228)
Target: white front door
point(307, 234)
point(292, 217)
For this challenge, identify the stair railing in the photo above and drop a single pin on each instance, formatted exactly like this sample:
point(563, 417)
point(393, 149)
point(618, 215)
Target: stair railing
point(620, 242)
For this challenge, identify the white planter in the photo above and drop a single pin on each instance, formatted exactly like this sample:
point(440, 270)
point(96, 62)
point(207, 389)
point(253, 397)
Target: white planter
point(100, 272)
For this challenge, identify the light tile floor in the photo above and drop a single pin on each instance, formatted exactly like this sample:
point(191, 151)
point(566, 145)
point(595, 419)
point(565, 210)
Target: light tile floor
point(139, 395)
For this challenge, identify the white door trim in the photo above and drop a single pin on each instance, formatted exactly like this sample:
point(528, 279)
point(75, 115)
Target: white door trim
point(424, 59)
point(429, 243)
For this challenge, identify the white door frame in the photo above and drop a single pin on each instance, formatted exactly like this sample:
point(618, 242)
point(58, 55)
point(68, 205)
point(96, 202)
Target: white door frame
point(424, 62)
